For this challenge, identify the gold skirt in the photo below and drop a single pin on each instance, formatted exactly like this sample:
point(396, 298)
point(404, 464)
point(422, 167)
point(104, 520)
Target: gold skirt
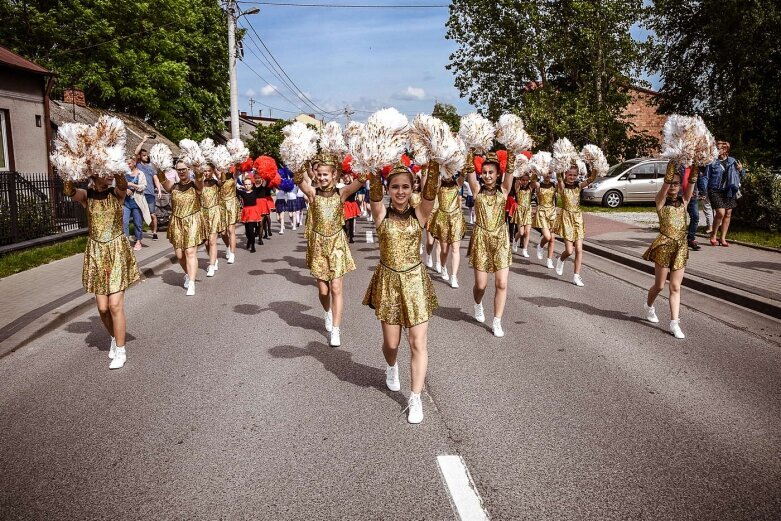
point(212, 218)
point(186, 232)
point(670, 253)
point(231, 211)
point(447, 228)
point(328, 258)
point(109, 267)
point(489, 251)
point(545, 217)
point(569, 226)
point(523, 216)
point(405, 298)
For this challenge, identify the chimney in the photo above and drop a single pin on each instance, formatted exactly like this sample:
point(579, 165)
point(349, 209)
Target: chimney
point(75, 97)
point(243, 114)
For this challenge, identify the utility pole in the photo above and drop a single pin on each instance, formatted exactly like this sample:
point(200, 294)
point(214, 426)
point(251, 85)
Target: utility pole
point(348, 113)
point(251, 107)
point(232, 11)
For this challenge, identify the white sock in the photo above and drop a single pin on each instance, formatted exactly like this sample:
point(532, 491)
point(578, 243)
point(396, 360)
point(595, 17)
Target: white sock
point(120, 350)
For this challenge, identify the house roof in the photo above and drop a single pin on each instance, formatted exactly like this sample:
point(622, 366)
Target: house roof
point(62, 112)
point(13, 60)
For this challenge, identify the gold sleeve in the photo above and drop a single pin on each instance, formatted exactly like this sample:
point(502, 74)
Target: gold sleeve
point(69, 190)
point(363, 178)
point(670, 173)
point(694, 173)
point(121, 181)
point(376, 193)
point(298, 177)
point(199, 175)
point(510, 170)
point(469, 166)
point(161, 177)
point(431, 187)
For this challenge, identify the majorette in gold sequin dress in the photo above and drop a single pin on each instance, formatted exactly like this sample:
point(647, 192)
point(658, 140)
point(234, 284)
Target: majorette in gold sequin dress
point(569, 224)
point(447, 222)
point(230, 207)
point(327, 254)
point(670, 248)
point(523, 213)
point(401, 291)
point(414, 199)
point(211, 207)
point(109, 263)
point(489, 247)
point(546, 208)
point(186, 228)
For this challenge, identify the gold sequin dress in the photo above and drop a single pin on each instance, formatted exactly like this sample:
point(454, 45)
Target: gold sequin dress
point(489, 247)
point(187, 227)
point(109, 263)
point(569, 224)
point(523, 214)
point(401, 291)
point(229, 202)
point(447, 223)
point(546, 208)
point(327, 252)
point(670, 248)
point(211, 207)
point(414, 199)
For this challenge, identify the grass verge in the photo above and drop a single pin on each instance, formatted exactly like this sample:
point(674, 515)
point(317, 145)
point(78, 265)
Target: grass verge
point(32, 257)
point(743, 233)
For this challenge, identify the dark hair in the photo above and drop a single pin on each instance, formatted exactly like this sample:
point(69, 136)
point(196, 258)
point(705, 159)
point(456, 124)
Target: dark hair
point(393, 174)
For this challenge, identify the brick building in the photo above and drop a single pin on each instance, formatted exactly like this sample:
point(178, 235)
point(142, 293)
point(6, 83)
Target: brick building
point(643, 112)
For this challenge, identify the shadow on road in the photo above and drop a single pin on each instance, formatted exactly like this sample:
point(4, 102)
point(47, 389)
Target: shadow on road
point(552, 302)
point(763, 266)
point(340, 363)
point(247, 309)
point(96, 334)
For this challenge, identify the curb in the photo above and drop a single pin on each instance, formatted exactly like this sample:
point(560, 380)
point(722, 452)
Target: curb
point(744, 299)
point(45, 319)
point(746, 244)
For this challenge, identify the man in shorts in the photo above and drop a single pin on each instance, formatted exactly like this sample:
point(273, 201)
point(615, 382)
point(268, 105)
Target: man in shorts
point(153, 187)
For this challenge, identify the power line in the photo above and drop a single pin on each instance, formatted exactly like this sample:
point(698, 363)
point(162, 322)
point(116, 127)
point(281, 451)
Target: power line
point(349, 6)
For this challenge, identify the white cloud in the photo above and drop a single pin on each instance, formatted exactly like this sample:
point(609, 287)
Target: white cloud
point(250, 93)
point(411, 94)
point(268, 90)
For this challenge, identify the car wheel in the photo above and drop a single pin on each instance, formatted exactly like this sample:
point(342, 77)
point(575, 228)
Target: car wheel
point(612, 199)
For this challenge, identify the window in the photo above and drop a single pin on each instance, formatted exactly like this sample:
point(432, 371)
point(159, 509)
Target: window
point(5, 162)
point(644, 172)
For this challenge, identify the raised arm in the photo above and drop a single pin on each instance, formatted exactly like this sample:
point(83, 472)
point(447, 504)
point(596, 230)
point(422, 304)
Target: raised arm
point(428, 194)
point(590, 179)
point(301, 179)
point(353, 187)
point(166, 183)
point(198, 181)
point(120, 187)
point(77, 194)
point(661, 195)
point(694, 173)
point(140, 145)
point(376, 196)
point(507, 181)
point(471, 175)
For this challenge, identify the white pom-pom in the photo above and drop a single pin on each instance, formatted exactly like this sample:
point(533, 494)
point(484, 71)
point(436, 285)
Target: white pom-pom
point(207, 147)
point(477, 132)
point(237, 150)
point(511, 133)
point(161, 158)
point(221, 158)
point(595, 159)
point(686, 140)
point(299, 146)
point(390, 119)
point(521, 165)
point(106, 153)
point(540, 163)
point(332, 140)
point(564, 156)
point(432, 140)
point(70, 152)
point(110, 132)
point(192, 155)
point(380, 142)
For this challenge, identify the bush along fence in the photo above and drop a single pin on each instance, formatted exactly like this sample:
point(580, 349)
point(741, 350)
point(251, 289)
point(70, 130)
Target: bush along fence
point(32, 206)
point(760, 203)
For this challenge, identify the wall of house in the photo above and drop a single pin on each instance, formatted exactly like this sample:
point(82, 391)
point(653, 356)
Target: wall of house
point(22, 96)
point(642, 112)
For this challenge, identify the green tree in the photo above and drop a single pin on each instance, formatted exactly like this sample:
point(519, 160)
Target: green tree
point(562, 66)
point(164, 61)
point(722, 58)
point(447, 113)
point(265, 140)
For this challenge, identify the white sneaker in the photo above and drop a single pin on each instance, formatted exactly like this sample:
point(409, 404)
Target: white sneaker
point(186, 280)
point(525, 253)
point(675, 329)
point(498, 331)
point(577, 280)
point(120, 357)
point(231, 257)
point(429, 261)
point(210, 271)
point(392, 377)
point(113, 349)
point(549, 264)
point(329, 320)
point(190, 289)
point(336, 338)
point(650, 314)
point(539, 252)
point(282, 231)
point(515, 247)
point(445, 275)
point(438, 267)
point(453, 281)
point(415, 407)
point(479, 314)
point(559, 266)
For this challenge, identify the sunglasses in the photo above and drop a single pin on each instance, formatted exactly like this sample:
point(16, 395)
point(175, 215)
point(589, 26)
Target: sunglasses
point(181, 170)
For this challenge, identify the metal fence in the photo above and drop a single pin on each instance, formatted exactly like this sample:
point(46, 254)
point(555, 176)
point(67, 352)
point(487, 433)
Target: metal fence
point(33, 206)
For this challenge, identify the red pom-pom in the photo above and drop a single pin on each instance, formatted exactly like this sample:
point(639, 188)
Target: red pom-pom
point(386, 170)
point(478, 162)
point(246, 166)
point(502, 156)
point(415, 169)
point(527, 153)
point(265, 167)
point(275, 181)
point(406, 160)
point(347, 164)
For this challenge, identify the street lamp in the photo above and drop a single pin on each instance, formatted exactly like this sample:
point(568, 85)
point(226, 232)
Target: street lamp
point(234, 84)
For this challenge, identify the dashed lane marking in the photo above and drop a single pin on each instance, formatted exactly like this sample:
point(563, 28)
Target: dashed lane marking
point(466, 498)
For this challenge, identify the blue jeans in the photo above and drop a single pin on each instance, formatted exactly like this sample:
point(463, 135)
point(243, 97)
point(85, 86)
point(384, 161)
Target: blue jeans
point(694, 218)
point(138, 220)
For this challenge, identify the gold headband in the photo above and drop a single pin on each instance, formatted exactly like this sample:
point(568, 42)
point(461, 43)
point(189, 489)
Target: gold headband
point(327, 159)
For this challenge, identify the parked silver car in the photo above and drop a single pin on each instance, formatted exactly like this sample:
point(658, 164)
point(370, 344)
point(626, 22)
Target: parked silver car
point(636, 180)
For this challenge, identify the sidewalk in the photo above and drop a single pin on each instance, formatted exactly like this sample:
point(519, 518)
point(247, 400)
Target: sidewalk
point(740, 274)
point(37, 300)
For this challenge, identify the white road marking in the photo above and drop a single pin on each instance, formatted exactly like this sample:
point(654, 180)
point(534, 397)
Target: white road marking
point(369, 236)
point(466, 499)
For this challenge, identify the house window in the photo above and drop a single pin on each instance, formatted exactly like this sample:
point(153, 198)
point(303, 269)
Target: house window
point(38, 120)
point(4, 159)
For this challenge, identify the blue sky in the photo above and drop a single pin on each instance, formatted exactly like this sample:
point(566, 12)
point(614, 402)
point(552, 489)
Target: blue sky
point(366, 59)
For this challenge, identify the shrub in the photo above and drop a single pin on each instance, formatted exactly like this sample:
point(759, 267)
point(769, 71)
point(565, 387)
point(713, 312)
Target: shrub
point(760, 206)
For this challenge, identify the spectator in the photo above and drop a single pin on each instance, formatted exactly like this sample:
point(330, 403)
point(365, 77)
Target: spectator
point(153, 188)
point(693, 208)
point(724, 176)
point(136, 182)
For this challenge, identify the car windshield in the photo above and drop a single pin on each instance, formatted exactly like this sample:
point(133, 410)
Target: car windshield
point(620, 168)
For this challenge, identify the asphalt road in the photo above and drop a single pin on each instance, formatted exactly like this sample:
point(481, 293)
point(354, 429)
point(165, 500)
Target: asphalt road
point(232, 406)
